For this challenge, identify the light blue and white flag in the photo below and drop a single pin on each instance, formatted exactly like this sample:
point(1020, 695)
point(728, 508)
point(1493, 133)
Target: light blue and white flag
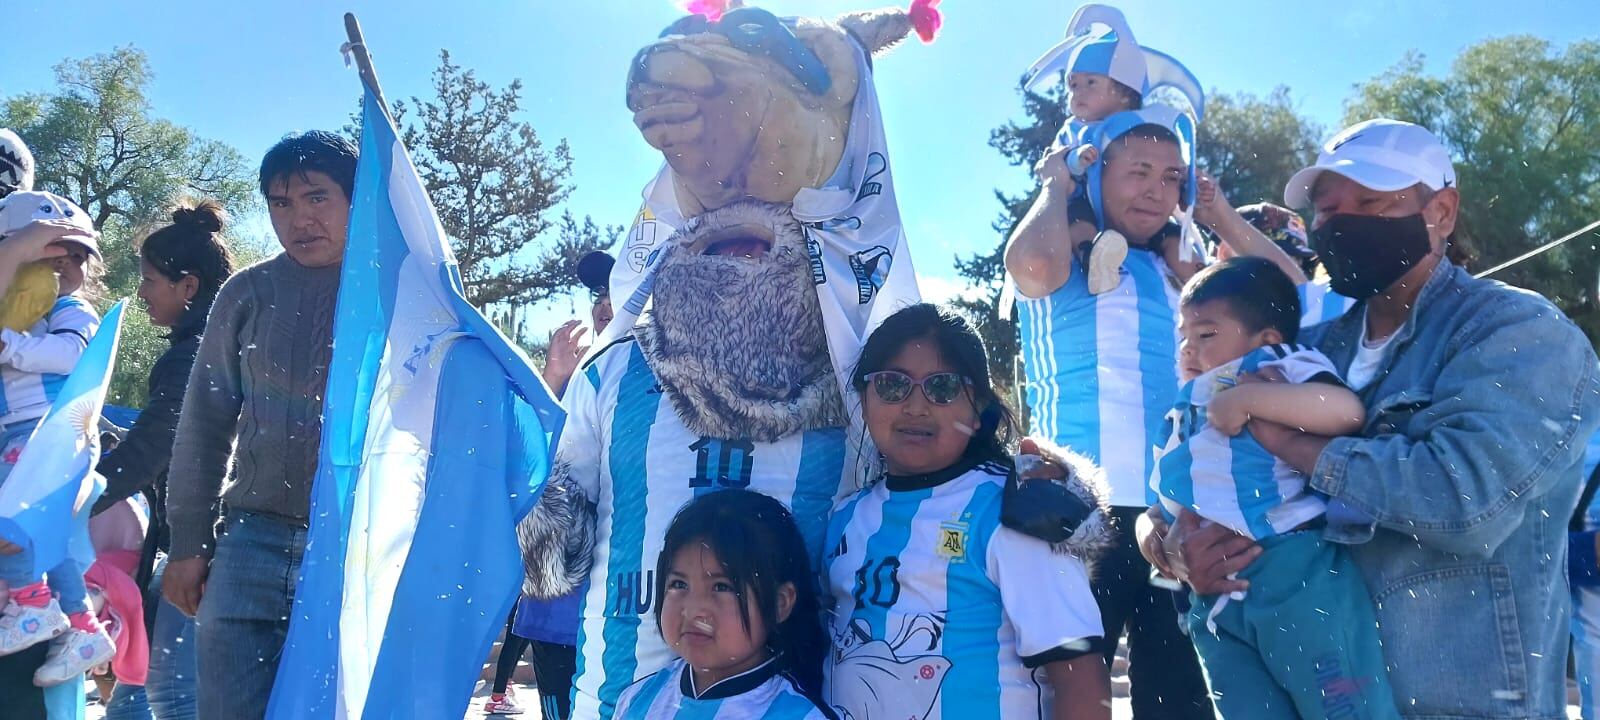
point(436, 440)
point(45, 502)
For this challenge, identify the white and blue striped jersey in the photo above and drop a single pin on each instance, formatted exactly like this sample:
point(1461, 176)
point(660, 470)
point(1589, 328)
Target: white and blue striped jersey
point(35, 364)
point(627, 448)
point(761, 693)
point(1234, 481)
point(938, 611)
point(1102, 369)
point(1320, 304)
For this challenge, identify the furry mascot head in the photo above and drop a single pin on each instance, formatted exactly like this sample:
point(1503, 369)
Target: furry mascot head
point(768, 246)
point(770, 242)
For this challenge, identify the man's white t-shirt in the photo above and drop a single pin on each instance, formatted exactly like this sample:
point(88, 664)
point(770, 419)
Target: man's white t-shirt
point(1365, 365)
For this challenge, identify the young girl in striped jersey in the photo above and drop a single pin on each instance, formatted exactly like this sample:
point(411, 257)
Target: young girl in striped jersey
point(739, 607)
point(939, 611)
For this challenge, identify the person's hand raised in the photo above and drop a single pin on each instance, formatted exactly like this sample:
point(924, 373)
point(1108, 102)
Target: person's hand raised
point(1210, 206)
point(567, 348)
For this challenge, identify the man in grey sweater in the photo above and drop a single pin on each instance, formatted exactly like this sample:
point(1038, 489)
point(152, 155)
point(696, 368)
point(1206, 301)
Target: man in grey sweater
point(251, 427)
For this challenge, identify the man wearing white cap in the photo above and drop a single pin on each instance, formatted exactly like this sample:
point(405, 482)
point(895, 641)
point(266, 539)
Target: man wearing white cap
point(1453, 498)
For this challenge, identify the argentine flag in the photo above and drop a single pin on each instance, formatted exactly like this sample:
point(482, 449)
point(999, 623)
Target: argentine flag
point(44, 504)
point(436, 440)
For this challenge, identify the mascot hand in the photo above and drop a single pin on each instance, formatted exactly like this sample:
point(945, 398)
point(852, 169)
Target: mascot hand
point(557, 538)
point(1060, 497)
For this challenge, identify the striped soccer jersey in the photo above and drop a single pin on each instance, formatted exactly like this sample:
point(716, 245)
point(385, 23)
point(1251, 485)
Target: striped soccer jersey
point(35, 364)
point(761, 693)
point(1234, 481)
point(1320, 304)
point(938, 611)
point(629, 451)
point(1101, 370)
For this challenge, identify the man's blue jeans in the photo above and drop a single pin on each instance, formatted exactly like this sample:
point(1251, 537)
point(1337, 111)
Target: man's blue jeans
point(244, 615)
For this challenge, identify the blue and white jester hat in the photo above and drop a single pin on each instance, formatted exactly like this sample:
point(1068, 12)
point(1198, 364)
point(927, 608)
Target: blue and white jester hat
point(1100, 41)
point(1179, 122)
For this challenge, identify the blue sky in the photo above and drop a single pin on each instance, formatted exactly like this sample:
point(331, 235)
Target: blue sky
point(246, 72)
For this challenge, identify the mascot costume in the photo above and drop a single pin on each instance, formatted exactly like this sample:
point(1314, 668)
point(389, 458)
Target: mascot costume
point(768, 247)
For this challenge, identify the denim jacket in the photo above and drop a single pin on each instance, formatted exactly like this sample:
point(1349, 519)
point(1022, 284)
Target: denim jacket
point(1468, 470)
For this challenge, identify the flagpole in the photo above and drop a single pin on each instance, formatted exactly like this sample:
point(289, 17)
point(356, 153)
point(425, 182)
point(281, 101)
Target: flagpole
point(356, 47)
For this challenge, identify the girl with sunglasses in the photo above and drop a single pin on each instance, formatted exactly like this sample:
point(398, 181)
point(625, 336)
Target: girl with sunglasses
point(938, 611)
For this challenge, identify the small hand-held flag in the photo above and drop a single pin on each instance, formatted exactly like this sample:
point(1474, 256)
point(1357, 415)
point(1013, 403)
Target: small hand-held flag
point(44, 504)
point(436, 441)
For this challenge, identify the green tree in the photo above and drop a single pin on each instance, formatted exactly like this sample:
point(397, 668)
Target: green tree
point(1253, 145)
point(1521, 118)
point(495, 185)
point(95, 140)
point(1021, 144)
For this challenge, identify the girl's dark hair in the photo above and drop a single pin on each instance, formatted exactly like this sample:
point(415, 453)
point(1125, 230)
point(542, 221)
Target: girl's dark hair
point(760, 548)
point(192, 246)
point(317, 150)
point(961, 348)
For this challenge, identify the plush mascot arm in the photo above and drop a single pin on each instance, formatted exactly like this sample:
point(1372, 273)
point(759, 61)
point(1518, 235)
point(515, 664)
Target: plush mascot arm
point(557, 537)
point(1071, 513)
point(57, 350)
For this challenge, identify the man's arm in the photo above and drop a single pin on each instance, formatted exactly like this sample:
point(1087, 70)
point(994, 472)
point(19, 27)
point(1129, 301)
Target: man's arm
point(202, 449)
point(1039, 253)
point(1460, 472)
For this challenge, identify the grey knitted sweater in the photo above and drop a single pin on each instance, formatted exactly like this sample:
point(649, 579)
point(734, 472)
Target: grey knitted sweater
point(254, 402)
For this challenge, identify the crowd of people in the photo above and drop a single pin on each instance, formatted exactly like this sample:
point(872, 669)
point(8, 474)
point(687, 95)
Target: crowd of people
point(1318, 469)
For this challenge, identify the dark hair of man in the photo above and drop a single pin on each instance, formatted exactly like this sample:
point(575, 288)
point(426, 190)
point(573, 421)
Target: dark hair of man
point(1255, 291)
point(1149, 131)
point(313, 150)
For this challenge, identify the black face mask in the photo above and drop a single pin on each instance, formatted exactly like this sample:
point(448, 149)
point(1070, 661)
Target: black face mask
point(1365, 254)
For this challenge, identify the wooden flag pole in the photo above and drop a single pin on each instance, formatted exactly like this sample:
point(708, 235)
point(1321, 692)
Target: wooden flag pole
point(357, 48)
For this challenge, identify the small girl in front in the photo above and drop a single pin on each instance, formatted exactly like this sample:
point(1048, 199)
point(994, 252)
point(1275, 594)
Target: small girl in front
point(739, 607)
point(938, 611)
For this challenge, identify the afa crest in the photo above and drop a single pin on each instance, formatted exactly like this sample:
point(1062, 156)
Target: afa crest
point(953, 541)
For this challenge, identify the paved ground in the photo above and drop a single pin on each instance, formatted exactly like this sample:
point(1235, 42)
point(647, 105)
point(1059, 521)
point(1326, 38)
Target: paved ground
point(528, 697)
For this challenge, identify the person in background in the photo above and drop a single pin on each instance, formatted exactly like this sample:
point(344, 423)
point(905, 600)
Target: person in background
point(181, 267)
point(250, 431)
point(549, 628)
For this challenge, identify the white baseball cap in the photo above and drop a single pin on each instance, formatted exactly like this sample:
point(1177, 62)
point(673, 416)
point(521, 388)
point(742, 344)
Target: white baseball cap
point(1384, 155)
point(20, 208)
